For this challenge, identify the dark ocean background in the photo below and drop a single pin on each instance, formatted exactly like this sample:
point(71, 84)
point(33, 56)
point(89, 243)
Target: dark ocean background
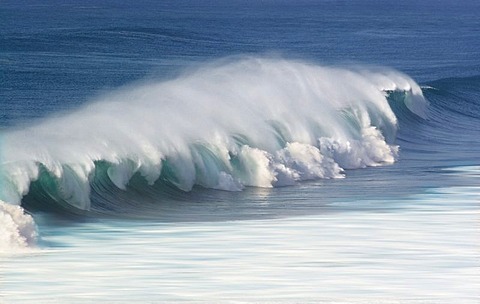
point(402, 231)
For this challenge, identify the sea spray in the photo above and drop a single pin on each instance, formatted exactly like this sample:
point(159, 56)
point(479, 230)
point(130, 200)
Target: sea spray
point(249, 122)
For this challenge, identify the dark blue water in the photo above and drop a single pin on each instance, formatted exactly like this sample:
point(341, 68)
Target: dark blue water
point(72, 50)
point(384, 224)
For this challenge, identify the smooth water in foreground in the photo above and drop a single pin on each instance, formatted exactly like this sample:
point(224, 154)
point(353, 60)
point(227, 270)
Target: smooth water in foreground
point(423, 249)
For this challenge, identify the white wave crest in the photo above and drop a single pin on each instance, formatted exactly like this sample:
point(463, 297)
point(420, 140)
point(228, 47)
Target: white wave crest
point(251, 122)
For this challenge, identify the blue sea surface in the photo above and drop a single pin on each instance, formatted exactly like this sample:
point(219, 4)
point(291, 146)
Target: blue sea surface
point(269, 151)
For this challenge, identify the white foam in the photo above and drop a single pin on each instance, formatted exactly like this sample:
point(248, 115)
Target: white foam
point(18, 230)
point(298, 162)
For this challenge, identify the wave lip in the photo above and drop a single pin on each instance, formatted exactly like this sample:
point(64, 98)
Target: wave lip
point(249, 122)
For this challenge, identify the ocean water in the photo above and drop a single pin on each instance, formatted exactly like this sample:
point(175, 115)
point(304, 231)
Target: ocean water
point(240, 151)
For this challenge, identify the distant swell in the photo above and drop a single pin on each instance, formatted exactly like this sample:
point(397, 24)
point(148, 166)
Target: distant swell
point(244, 122)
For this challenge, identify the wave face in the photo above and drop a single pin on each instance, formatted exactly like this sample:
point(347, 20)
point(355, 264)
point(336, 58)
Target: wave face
point(243, 122)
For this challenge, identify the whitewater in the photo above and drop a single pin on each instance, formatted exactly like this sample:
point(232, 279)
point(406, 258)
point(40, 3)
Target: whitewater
point(227, 125)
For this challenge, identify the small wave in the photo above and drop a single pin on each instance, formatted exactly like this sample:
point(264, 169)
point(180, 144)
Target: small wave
point(427, 87)
point(456, 100)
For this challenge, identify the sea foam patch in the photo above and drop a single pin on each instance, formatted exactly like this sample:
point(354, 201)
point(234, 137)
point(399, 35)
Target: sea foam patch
point(18, 228)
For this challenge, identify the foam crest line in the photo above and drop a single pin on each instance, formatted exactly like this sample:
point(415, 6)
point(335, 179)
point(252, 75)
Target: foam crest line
point(244, 122)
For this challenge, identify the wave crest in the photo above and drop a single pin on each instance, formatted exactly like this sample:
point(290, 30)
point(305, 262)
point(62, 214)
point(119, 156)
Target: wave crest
point(250, 122)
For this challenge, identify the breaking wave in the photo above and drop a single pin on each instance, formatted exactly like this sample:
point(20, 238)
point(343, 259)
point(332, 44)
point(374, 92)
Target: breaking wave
point(245, 122)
